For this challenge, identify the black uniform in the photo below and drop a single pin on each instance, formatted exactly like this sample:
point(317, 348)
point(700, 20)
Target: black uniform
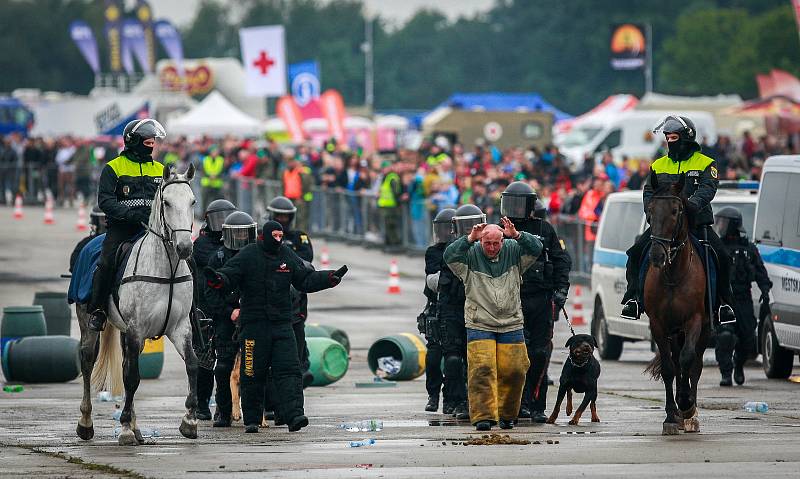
point(747, 267)
point(549, 274)
point(263, 273)
point(454, 343)
point(433, 329)
point(220, 308)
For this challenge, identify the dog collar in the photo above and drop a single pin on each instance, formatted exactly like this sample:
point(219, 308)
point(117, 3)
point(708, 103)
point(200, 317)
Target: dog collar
point(579, 365)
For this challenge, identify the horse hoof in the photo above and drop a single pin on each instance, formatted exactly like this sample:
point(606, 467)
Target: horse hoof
point(84, 432)
point(691, 425)
point(138, 434)
point(188, 429)
point(127, 438)
point(670, 429)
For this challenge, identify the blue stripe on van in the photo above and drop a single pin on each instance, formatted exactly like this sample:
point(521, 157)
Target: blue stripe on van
point(778, 255)
point(610, 258)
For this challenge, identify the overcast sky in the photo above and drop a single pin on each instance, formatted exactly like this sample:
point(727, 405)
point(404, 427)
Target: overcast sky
point(181, 12)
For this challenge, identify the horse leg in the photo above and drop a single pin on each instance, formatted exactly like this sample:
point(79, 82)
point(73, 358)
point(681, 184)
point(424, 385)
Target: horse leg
point(688, 356)
point(670, 426)
point(181, 338)
point(130, 368)
point(88, 355)
point(692, 423)
point(675, 344)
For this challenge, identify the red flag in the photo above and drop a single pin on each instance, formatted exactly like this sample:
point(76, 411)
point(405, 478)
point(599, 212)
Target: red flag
point(333, 109)
point(289, 112)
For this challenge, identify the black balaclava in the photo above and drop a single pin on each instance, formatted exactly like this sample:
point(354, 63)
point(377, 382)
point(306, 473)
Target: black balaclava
point(140, 152)
point(681, 149)
point(268, 243)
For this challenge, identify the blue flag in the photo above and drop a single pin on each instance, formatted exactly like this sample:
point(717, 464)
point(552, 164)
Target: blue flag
point(304, 81)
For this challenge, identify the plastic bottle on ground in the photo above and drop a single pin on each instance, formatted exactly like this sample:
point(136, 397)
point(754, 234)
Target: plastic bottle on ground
point(756, 406)
point(365, 442)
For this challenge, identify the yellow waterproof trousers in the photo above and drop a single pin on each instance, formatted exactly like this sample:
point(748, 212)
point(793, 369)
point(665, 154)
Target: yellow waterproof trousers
point(495, 379)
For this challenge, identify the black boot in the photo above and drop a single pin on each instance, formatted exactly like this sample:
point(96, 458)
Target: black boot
point(524, 412)
point(251, 428)
point(98, 320)
point(222, 420)
point(538, 417)
point(483, 426)
point(433, 404)
point(726, 380)
point(738, 374)
point(506, 424)
point(631, 308)
point(462, 412)
point(298, 423)
point(447, 408)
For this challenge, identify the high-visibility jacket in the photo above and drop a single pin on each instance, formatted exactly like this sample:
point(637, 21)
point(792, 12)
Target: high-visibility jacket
point(212, 171)
point(293, 184)
point(387, 198)
point(700, 186)
point(127, 188)
point(434, 160)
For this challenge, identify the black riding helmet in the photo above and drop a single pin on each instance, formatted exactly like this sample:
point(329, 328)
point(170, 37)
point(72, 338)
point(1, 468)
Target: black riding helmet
point(216, 212)
point(466, 217)
point(443, 226)
point(136, 132)
point(517, 200)
point(238, 230)
point(279, 206)
point(539, 210)
point(728, 222)
point(687, 142)
point(97, 218)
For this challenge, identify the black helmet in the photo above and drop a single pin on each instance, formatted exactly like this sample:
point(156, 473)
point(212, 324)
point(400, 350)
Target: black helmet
point(281, 205)
point(466, 217)
point(137, 131)
point(97, 218)
point(539, 210)
point(517, 200)
point(728, 222)
point(443, 226)
point(238, 230)
point(681, 125)
point(216, 212)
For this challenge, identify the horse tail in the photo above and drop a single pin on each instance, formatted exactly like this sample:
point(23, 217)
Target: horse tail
point(107, 372)
point(654, 367)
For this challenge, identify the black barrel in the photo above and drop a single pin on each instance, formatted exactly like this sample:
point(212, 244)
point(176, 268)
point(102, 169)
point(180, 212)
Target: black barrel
point(42, 359)
point(57, 313)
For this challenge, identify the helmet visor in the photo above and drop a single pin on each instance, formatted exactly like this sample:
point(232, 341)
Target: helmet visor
point(214, 219)
point(464, 224)
point(515, 206)
point(670, 124)
point(237, 237)
point(149, 128)
point(443, 232)
point(722, 225)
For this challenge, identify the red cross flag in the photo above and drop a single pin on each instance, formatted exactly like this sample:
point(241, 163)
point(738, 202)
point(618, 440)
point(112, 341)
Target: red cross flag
point(264, 59)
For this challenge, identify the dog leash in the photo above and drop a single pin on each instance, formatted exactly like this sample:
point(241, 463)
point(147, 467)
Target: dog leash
point(566, 316)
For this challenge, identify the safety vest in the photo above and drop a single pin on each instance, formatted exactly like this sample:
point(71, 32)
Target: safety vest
point(587, 213)
point(308, 195)
point(387, 198)
point(170, 158)
point(434, 160)
point(696, 162)
point(212, 170)
point(292, 184)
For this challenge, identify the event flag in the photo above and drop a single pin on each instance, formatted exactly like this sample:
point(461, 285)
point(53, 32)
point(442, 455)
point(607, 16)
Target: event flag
point(333, 109)
point(113, 14)
point(82, 35)
point(170, 39)
point(288, 111)
point(628, 47)
point(264, 60)
point(145, 15)
point(133, 41)
point(304, 82)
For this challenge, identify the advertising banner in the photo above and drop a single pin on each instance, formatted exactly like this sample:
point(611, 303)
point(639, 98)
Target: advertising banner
point(289, 112)
point(333, 109)
point(113, 16)
point(170, 40)
point(145, 16)
point(304, 82)
point(82, 35)
point(628, 47)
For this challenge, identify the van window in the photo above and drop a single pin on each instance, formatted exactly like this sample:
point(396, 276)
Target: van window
point(622, 223)
point(748, 211)
point(631, 226)
point(772, 202)
point(791, 218)
point(611, 141)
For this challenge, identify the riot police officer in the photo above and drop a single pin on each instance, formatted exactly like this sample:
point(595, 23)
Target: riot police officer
point(451, 312)
point(429, 322)
point(746, 267)
point(263, 273)
point(544, 290)
point(97, 226)
point(238, 230)
point(205, 247)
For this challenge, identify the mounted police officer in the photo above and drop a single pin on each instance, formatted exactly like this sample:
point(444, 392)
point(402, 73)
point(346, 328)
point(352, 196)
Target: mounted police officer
point(126, 189)
point(97, 226)
point(263, 273)
point(683, 158)
point(205, 247)
point(747, 267)
point(544, 290)
point(429, 322)
point(238, 231)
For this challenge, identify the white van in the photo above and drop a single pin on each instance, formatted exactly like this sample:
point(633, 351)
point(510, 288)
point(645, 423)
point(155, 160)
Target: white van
point(777, 234)
point(621, 222)
point(628, 133)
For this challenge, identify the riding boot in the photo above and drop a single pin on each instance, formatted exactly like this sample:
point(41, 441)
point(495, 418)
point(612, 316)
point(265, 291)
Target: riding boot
point(630, 300)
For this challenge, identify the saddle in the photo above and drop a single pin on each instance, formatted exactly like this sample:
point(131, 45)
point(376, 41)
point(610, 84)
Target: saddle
point(121, 258)
point(713, 267)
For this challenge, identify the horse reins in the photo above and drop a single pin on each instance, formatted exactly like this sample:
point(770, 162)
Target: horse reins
point(669, 244)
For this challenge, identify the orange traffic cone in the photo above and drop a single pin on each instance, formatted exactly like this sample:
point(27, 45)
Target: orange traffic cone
point(394, 278)
point(18, 207)
point(49, 219)
point(324, 260)
point(81, 225)
point(577, 308)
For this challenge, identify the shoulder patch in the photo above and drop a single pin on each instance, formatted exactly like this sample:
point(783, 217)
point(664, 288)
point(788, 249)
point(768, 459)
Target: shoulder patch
point(714, 172)
point(561, 242)
point(304, 238)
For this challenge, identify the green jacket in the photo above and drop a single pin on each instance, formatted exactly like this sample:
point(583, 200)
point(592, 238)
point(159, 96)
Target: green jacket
point(492, 286)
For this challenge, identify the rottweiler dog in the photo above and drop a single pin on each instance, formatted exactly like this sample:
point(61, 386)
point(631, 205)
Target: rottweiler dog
point(580, 374)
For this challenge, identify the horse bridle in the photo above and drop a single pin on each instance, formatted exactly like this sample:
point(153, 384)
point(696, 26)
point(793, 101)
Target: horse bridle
point(168, 231)
point(671, 246)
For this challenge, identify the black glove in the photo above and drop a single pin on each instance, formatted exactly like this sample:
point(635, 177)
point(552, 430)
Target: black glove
point(560, 298)
point(212, 277)
point(140, 215)
point(764, 299)
point(692, 208)
point(336, 276)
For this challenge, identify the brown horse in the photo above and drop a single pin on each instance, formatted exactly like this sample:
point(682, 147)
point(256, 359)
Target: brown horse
point(674, 297)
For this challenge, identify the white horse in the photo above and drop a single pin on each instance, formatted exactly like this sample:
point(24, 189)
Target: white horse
point(155, 299)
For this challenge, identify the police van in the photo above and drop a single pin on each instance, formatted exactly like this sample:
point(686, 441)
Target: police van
point(621, 222)
point(777, 234)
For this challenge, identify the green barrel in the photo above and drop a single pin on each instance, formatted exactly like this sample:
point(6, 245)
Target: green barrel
point(405, 347)
point(151, 361)
point(20, 322)
point(57, 313)
point(328, 360)
point(42, 359)
point(316, 330)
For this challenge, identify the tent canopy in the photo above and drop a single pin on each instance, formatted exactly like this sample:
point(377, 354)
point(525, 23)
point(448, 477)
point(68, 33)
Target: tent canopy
point(214, 116)
point(497, 101)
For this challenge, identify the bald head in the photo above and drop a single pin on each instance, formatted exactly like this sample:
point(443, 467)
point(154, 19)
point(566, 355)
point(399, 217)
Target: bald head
point(492, 241)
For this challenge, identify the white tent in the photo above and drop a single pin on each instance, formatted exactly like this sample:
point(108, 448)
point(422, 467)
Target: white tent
point(214, 116)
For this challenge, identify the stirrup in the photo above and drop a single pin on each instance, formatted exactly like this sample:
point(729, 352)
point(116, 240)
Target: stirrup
point(98, 320)
point(728, 310)
point(631, 315)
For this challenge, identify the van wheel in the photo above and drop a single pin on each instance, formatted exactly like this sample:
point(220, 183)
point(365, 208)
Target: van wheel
point(777, 360)
point(608, 345)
